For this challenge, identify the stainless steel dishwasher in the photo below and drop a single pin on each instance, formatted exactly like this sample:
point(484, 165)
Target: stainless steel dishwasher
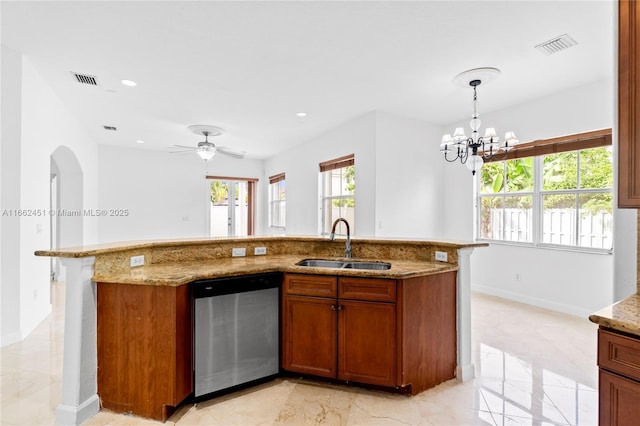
point(236, 333)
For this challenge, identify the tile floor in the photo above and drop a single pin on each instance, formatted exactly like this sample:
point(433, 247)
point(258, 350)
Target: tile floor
point(533, 367)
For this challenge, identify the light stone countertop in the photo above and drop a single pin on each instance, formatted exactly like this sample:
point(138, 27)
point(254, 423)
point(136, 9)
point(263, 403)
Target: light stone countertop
point(175, 274)
point(105, 248)
point(622, 316)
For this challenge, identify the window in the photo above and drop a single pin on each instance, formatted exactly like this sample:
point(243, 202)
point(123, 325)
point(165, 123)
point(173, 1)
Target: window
point(277, 201)
point(338, 186)
point(560, 197)
point(506, 200)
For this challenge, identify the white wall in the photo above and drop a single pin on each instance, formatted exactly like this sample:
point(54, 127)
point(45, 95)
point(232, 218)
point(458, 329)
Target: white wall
point(573, 282)
point(10, 120)
point(398, 181)
point(301, 168)
point(408, 181)
point(165, 194)
point(44, 124)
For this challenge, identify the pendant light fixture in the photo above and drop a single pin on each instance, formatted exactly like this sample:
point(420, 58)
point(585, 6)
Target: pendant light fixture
point(473, 150)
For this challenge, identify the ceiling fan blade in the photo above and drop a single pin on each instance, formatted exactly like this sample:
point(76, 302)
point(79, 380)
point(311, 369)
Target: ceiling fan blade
point(193, 148)
point(182, 151)
point(233, 154)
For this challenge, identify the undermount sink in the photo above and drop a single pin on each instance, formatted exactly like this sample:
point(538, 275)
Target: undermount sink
point(320, 263)
point(378, 266)
point(338, 264)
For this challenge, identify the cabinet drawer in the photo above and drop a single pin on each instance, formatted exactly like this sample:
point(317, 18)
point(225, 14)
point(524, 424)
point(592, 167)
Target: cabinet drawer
point(367, 289)
point(619, 353)
point(311, 285)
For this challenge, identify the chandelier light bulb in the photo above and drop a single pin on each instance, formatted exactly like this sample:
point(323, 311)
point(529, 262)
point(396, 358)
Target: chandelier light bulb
point(445, 145)
point(459, 136)
point(511, 138)
point(490, 133)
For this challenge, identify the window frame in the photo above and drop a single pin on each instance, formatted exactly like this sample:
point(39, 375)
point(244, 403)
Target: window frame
point(251, 199)
point(276, 180)
point(537, 150)
point(327, 167)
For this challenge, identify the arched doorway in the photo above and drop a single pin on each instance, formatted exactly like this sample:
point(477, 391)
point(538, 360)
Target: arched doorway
point(66, 200)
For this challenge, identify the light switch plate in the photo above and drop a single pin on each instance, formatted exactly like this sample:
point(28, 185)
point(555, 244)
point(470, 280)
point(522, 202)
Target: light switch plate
point(259, 251)
point(441, 256)
point(238, 251)
point(137, 260)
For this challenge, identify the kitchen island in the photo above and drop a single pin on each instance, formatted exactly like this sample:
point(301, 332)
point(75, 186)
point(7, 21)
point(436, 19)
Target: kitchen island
point(172, 264)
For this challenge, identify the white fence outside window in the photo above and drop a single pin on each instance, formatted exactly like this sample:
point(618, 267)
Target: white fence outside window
point(558, 227)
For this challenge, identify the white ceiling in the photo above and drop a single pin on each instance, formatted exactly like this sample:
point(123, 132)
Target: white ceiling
point(249, 67)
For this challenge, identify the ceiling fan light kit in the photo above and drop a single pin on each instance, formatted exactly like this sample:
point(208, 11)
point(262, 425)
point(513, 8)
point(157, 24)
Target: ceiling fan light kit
point(205, 149)
point(473, 150)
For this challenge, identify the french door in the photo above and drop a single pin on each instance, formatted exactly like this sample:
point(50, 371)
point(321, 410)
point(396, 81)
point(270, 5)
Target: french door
point(232, 203)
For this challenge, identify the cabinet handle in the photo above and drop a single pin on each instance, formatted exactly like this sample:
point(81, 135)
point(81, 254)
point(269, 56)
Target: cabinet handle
point(340, 307)
point(333, 307)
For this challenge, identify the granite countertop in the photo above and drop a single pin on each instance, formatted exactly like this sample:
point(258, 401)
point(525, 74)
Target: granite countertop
point(622, 316)
point(98, 249)
point(174, 274)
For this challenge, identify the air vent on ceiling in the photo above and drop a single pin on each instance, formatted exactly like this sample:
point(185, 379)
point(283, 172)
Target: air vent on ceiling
point(110, 128)
point(85, 79)
point(556, 44)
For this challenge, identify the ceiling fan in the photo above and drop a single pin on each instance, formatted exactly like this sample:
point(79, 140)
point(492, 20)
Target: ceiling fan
point(205, 149)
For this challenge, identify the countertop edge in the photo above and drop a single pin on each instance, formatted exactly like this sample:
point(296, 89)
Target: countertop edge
point(106, 248)
point(623, 315)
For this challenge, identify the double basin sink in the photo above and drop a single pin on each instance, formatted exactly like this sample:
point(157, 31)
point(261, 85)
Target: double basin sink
point(344, 264)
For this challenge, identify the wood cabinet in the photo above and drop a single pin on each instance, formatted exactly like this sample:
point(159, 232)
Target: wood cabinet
point(391, 333)
point(367, 342)
point(628, 104)
point(619, 387)
point(144, 348)
point(310, 335)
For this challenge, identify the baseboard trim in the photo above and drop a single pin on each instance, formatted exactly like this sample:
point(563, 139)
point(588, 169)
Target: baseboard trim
point(465, 372)
point(68, 415)
point(529, 300)
point(10, 339)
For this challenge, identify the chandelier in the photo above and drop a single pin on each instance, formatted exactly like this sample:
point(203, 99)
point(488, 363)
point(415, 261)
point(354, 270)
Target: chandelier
point(473, 150)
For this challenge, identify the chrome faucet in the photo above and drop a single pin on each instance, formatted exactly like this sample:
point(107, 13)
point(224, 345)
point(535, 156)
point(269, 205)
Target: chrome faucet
point(332, 236)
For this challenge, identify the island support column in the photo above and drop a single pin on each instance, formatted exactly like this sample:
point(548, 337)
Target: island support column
point(465, 369)
point(79, 369)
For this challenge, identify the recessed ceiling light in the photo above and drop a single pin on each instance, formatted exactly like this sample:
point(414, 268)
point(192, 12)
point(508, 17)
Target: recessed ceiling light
point(301, 114)
point(129, 83)
point(139, 141)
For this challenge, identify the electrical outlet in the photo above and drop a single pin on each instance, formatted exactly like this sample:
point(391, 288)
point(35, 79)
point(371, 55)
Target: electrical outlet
point(441, 256)
point(137, 260)
point(237, 251)
point(259, 250)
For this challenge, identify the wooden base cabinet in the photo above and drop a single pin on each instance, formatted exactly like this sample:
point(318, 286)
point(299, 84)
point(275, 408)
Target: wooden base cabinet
point(619, 387)
point(367, 342)
point(144, 348)
point(391, 333)
point(310, 333)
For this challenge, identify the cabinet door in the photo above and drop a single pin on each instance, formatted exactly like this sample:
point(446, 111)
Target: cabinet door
point(628, 104)
point(144, 344)
point(367, 342)
point(619, 400)
point(310, 335)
